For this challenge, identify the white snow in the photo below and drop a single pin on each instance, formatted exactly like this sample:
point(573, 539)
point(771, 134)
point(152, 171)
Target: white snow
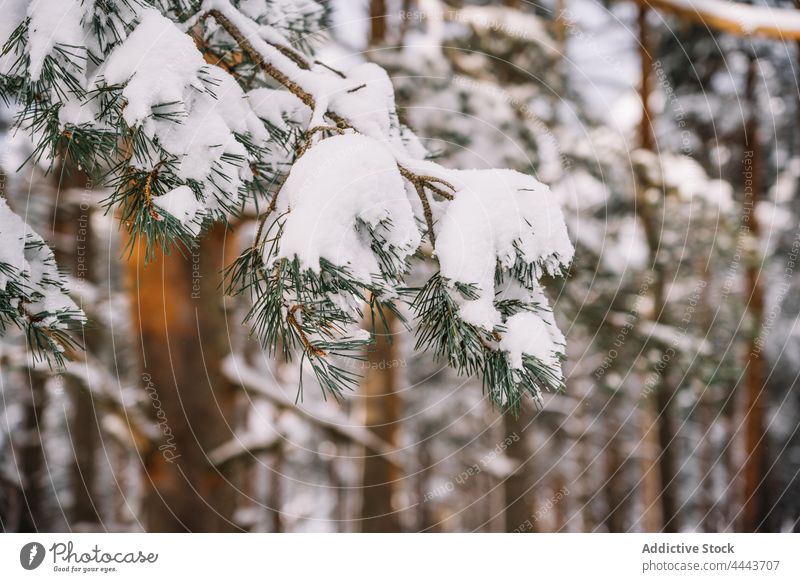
point(207, 108)
point(342, 195)
point(276, 106)
point(527, 333)
point(52, 23)
point(337, 183)
point(14, 12)
point(151, 79)
point(495, 215)
point(182, 204)
point(750, 18)
point(33, 267)
point(11, 251)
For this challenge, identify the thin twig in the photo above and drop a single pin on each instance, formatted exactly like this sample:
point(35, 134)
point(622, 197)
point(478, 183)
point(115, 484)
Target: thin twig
point(426, 205)
point(294, 323)
point(309, 134)
point(148, 195)
point(258, 58)
point(331, 69)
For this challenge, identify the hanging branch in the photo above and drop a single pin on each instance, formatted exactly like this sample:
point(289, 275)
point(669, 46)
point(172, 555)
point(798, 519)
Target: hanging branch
point(734, 17)
point(420, 182)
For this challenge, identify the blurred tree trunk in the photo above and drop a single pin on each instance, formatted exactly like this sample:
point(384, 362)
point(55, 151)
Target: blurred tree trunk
point(614, 483)
point(755, 469)
point(425, 518)
point(581, 478)
point(667, 438)
point(74, 251)
point(183, 333)
point(651, 473)
point(83, 474)
point(275, 498)
point(377, 22)
point(707, 503)
point(31, 461)
point(382, 407)
point(519, 485)
point(664, 390)
point(646, 80)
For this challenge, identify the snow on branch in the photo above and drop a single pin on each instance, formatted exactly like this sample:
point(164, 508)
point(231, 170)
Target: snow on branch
point(33, 296)
point(190, 117)
point(735, 17)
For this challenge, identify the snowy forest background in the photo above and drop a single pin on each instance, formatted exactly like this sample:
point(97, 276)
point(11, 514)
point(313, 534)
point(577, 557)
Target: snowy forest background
point(681, 405)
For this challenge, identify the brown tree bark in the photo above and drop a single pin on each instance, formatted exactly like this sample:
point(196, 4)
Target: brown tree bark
point(31, 461)
point(83, 474)
point(518, 487)
point(377, 22)
point(177, 312)
point(74, 251)
point(614, 482)
point(755, 470)
point(382, 407)
point(664, 391)
point(652, 518)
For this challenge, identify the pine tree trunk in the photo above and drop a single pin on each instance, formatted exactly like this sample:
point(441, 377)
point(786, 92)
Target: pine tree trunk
point(754, 472)
point(31, 458)
point(382, 404)
point(667, 438)
point(177, 311)
point(74, 251)
point(651, 520)
point(664, 391)
point(377, 20)
point(707, 504)
point(83, 474)
point(519, 485)
point(614, 483)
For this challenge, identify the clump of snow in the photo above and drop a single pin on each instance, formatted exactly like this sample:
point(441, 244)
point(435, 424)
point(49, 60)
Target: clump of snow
point(150, 78)
point(78, 112)
point(527, 334)
point(339, 183)
point(278, 106)
point(182, 204)
point(367, 100)
point(52, 23)
point(497, 216)
point(11, 251)
point(14, 12)
point(30, 263)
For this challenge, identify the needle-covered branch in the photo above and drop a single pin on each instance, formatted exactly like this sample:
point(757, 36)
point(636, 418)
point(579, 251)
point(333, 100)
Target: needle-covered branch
point(191, 116)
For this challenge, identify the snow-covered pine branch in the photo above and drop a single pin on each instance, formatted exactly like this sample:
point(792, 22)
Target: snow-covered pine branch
point(32, 294)
point(192, 111)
